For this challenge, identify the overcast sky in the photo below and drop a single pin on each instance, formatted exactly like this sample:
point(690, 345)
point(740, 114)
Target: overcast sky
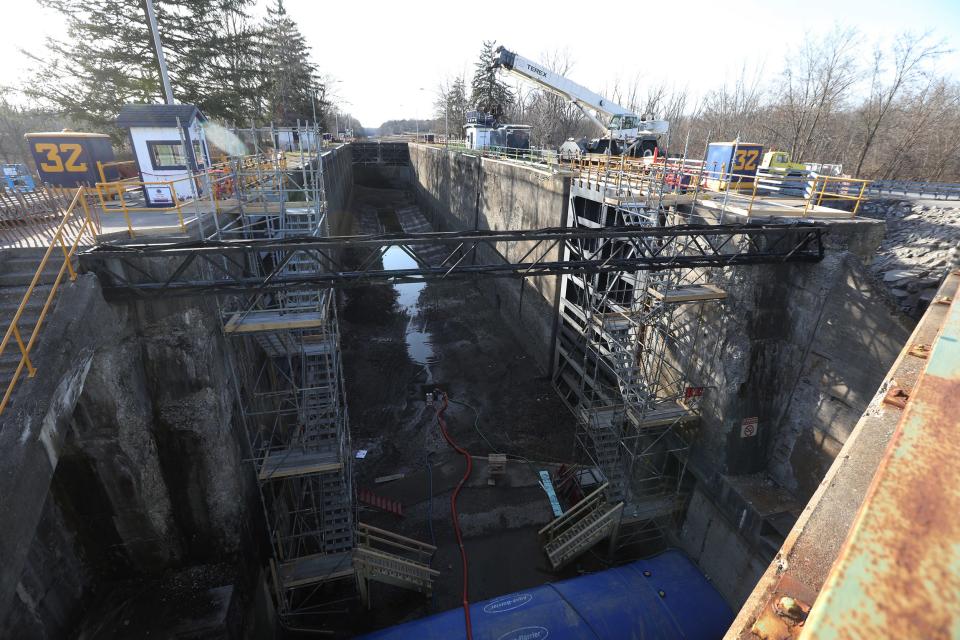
point(384, 53)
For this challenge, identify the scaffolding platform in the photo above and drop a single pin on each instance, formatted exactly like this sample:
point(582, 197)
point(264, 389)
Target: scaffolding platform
point(314, 569)
point(773, 207)
point(273, 320)
point(689, 293)
point(291, 462)
point(665, 414)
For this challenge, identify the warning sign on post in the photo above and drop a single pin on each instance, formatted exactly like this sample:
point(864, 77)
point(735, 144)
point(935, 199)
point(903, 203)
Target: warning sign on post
point(748, 427)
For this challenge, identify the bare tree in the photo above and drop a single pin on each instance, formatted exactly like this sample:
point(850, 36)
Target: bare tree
point(553, 118)
point(815, 83)
point(907, 61)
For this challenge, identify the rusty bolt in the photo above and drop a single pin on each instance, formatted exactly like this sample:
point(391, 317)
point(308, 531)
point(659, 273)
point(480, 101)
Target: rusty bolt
point(790, 608)
point(897, 397)
point(942, 300)
point(920, 350)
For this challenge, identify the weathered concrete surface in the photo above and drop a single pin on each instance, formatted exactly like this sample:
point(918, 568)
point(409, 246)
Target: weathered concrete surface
point(122, 458)
point(338, 187)
point(707, 530)
point(32, 437)
point(803, 562)
point(463, 191)
point(802, 348)
point(143, 465)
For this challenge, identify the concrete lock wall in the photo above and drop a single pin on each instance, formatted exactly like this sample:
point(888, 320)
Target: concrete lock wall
point(338, 187)
point(460, 191)
point(146, 470)
point(800, 348)
point(124, 457)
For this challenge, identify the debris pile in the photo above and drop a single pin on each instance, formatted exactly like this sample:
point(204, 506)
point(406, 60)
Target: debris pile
point(921, 245)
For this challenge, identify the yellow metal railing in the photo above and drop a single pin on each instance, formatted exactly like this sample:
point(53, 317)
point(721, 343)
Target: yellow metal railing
point(833, 188)
point(102, 166)
point(63, 247)
point(222, 180)
point(80, 222)
point(652, 175)
point(106, 189)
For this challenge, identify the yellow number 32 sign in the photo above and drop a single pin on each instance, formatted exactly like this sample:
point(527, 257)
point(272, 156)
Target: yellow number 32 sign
point(60, 157)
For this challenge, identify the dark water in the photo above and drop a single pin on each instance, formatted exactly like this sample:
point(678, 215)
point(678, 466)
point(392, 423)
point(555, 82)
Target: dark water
point(419, 343)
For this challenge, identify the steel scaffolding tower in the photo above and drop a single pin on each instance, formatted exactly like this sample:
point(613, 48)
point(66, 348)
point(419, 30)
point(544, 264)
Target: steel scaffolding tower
point(293, 405)
point(621, 340)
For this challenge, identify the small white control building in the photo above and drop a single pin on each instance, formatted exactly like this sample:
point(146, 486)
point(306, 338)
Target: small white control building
point(477, 136)
point(157, 136)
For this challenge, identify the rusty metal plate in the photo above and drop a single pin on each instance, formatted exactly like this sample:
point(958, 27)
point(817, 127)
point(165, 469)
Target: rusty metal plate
point(898, 574)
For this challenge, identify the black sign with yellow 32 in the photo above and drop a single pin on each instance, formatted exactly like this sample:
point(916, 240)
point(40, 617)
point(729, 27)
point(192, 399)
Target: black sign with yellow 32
point(60, 157)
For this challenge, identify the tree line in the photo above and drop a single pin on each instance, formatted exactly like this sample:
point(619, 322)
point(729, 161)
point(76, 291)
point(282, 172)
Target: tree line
point(882, 111)
point(237, 69)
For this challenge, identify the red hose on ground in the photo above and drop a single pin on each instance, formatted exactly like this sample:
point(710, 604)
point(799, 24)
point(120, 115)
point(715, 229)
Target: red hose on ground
point(453, 510)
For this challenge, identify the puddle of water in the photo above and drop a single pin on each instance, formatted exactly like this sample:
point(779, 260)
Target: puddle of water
point(419, 343)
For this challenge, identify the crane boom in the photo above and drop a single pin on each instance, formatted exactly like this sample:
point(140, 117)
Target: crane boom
point(622, 123)
point(555, 83)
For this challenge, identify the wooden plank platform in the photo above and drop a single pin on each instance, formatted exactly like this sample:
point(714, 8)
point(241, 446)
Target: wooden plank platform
point(661, 416)
point(690, 293)
point(255, 321)
point(294, 462)
point(312, 569)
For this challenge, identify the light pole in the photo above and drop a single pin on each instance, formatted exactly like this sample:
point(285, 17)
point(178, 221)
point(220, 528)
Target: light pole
point(164, 77)
point(418, 119)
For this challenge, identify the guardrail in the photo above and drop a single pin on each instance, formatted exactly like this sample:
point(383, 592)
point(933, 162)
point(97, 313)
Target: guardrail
point(935, 190)
point(78, 221)
point(29, 219)
point(792, 196)
point(213, 185)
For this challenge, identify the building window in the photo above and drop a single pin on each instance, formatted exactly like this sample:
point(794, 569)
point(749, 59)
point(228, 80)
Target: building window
point(166, 155)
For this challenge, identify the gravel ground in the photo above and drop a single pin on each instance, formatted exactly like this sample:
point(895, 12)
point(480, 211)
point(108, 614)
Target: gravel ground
point(921, 246)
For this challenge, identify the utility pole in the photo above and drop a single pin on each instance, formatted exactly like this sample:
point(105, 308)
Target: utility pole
point(164, 77)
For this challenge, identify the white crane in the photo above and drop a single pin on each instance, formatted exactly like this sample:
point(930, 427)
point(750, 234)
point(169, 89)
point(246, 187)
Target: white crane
point(622, 125)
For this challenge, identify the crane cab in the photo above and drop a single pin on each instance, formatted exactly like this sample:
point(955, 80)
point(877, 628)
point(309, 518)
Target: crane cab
point(628, 126)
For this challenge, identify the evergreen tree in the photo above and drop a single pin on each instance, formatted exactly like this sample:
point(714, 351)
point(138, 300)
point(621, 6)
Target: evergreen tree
point(108, 58)
point(291, 79)
point(489, 93)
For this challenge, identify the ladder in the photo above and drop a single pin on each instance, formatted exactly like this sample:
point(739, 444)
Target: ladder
point(587, 523)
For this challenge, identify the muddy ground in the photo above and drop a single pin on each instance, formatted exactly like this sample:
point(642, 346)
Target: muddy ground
point(399, 342)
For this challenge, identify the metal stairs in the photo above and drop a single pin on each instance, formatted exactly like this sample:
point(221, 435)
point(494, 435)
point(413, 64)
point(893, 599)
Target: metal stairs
point(604, 426)
point(580, 528)
point(18, 267)
point(389, 558)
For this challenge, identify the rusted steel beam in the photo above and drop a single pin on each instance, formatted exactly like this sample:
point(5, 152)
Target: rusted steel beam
point(898, 573)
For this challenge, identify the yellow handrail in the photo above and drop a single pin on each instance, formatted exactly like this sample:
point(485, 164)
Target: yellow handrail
point(61, 239)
